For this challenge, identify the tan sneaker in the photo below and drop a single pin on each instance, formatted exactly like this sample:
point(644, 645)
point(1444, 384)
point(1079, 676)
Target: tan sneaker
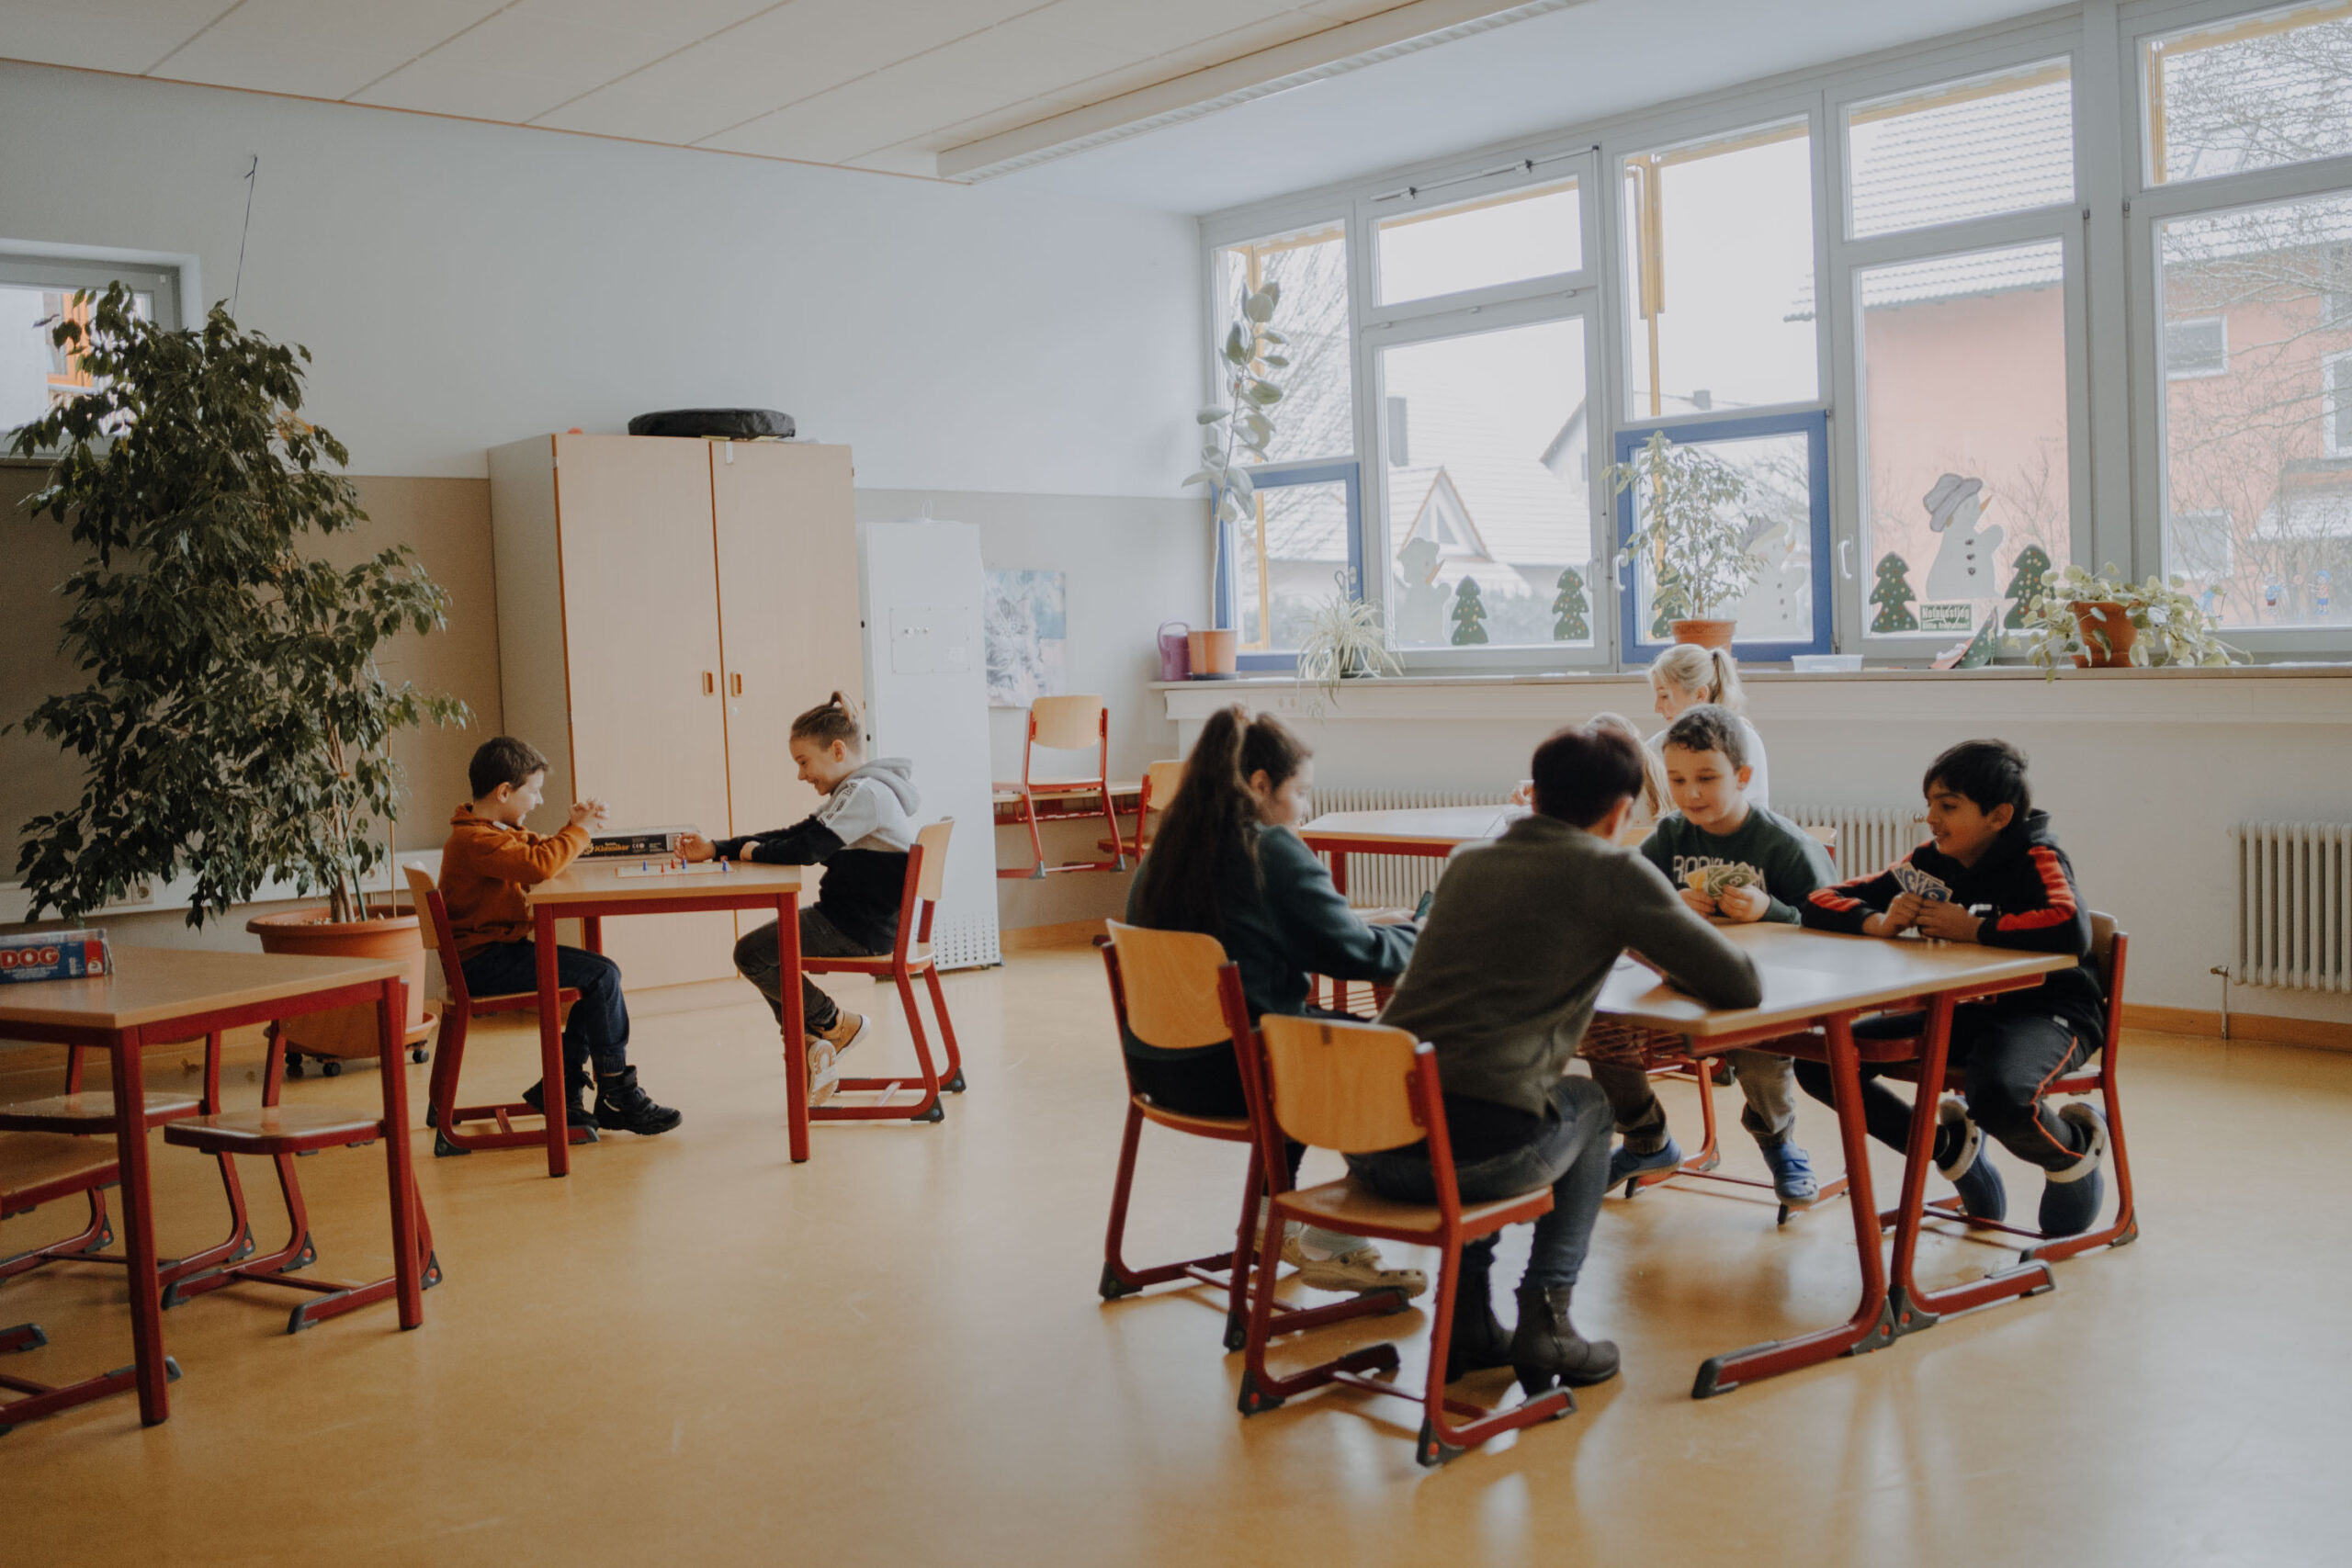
point(1360, 1271)
point(848, 1029)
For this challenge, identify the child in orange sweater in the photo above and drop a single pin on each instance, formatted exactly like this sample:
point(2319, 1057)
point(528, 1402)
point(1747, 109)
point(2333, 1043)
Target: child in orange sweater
point(491, 857)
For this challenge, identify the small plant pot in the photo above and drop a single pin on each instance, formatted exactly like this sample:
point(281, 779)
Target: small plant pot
point(1704, 633)
point(1213, 654)
point(308, 933)
point(2107, 632)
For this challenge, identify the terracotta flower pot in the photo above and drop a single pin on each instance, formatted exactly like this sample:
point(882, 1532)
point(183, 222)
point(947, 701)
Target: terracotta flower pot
point(2107, 631)
point(1704, 633)
point(308, 933)
point(1213, 654)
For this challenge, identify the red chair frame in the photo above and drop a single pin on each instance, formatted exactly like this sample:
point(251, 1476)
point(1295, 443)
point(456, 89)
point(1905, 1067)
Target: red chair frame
point(910, 955)
point(1028, 789)
point(1441, 1439)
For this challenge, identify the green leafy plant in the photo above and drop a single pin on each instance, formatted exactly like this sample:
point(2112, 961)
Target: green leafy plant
point(1691, 529)
point(236, 723)
point(1343, 638)
point(2172, 629)
point(1245, 422)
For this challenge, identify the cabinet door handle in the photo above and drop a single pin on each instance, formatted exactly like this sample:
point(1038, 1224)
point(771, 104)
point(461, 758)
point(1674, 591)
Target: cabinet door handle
point(709, 685)
point(738, 679)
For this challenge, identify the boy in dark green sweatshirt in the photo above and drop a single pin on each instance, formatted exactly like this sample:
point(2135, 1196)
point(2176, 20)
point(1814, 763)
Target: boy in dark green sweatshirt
point(1737, 862)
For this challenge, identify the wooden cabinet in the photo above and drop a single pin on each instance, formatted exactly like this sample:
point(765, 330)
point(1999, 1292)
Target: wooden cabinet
point(665, 607)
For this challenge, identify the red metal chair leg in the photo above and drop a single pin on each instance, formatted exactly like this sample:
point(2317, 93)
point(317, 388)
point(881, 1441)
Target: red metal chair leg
point(928, 1109)
point(1441, 1438)
point(1111, 815)
point(954, 1082)
point(1037, 871)
point(2125, 1229)
point(85, 1247)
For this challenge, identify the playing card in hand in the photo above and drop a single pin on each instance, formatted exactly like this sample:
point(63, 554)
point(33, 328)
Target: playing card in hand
point(1911, 879)
point(1715, 881)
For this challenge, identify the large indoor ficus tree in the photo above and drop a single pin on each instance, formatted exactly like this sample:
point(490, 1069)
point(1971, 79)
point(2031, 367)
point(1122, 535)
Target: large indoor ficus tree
point(1253, 348)
point(235, 725)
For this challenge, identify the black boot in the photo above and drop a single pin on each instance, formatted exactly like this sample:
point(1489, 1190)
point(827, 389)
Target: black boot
point(1478, 1340)
point(576, 1085)
point(622, 1106)
point(1546, 1348)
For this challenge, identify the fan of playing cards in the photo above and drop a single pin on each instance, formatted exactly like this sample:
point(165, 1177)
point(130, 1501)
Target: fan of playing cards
point(1715, 881)
point(1934, 889)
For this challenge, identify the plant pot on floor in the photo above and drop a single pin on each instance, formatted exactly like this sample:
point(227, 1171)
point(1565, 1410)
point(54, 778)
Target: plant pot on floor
point(1213, 654)
point(2107, 633)
point(342, 1034)
point(1704, 633)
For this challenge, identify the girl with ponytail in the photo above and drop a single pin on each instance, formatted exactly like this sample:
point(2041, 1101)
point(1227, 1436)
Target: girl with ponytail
point(1226, 863)
point(1684, 676)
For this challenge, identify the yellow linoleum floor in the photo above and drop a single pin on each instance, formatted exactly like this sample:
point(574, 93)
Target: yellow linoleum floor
point(693, 1351)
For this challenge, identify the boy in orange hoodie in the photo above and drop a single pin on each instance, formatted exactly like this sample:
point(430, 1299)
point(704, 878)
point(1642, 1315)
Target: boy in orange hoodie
point(491, 857)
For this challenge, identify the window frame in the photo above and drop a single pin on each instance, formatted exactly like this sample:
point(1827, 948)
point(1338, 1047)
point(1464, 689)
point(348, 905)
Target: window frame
point(1283, 476)
point(68, 268)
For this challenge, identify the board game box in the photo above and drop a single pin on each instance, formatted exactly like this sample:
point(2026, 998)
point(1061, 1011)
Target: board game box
point(54, 956)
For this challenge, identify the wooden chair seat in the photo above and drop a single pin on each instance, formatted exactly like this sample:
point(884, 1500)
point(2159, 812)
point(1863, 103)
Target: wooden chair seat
point(918, 960)
point(91, 1110)
point(38, 1166)
point(1233, 1129)
point(1009, 793)
point(1347, 1206)
point(276, 1128)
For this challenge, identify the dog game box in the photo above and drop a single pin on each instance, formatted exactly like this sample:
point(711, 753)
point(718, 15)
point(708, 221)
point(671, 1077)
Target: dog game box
point(54, 956)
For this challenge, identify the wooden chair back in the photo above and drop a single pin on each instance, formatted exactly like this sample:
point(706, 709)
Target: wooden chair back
point(933, 841)
point(1067, 724)
point(1169, 981)
point(1342, 1086)
point(2108, 945)
point(434, 911)
point(1161, 780)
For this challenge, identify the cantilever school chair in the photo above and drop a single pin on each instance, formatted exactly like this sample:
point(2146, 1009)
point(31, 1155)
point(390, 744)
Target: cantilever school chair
point(1065, 723)
point(1160, 782)
point(1177, 990)
point(1359, 1087)
point(459, 1008)
point(918, 905)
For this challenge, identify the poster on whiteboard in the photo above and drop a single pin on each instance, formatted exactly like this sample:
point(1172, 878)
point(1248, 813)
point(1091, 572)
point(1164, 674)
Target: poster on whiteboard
point(1027, 621)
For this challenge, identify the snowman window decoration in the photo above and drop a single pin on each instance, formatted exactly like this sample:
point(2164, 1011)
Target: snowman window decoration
point(1963, 567)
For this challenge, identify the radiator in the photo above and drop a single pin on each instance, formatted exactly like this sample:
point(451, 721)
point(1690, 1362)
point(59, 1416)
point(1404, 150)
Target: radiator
point(1395, 882)
point(1870, 838)
point(2294, 924)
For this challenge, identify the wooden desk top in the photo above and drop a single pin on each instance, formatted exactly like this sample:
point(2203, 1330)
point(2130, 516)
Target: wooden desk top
point(1807, 974)
point(156, 985)
point(595, 883)
point(1430, 825)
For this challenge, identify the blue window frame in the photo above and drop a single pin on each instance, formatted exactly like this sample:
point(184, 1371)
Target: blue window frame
point(1810, 633)
point(1229, 572)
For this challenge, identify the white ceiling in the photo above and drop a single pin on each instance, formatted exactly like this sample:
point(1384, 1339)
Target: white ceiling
point(891, 85)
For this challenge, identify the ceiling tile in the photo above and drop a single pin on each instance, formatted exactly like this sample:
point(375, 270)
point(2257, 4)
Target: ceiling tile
point(1348, 10)
point(1129, 79)
point(368, 28)
point(1249, 40)
point(909, 160)
point(1138, 30)
point(279, 64)
point(674, 23)
point(577, 53)
point(438, 84)
point(101, 35)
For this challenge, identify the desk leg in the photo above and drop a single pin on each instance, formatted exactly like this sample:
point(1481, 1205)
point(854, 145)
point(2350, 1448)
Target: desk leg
point(408, 1267)
point(1873, 1325)
point(1339, 870)
point(592, 932)
point(139, 1224)
point(796, 1038)
point(555, 1094)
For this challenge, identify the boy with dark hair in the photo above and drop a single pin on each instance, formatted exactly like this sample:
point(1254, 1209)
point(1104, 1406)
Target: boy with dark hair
point(491, 857)
point(1739, 863)
point(1992, 875)
point(1520, 937)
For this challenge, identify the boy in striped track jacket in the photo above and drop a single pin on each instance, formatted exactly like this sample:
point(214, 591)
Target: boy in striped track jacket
point(2008, 885)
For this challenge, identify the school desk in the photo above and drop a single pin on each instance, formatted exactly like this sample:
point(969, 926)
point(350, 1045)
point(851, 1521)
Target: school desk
point(589, 890)
point(1433, 830)
point(159, 996)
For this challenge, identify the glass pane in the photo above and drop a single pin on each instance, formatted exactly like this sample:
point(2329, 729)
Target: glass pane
point(34, 376)
point(1291, 555)
point(2250, 92)
point(1967, 498)
point(1719, 240)
point(1962, 150)
point(1501, 239)
point(2257, 385)
point(1769, 479)
point(1489, 536)
point(1317, 415)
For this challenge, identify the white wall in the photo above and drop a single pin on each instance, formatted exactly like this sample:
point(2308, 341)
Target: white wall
point(462, 285)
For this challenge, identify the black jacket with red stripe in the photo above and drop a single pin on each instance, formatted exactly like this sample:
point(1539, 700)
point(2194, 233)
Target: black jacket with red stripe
point(2024, 885)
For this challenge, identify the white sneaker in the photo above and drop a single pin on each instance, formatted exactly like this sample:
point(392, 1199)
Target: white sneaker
point(824, 1071)
point(1359, 1269)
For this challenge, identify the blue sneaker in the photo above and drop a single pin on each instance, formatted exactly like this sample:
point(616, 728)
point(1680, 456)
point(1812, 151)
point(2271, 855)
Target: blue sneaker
point(1624, 1165)
point(2071, 1199)
point(1971, 1170)
point(1792, 1179)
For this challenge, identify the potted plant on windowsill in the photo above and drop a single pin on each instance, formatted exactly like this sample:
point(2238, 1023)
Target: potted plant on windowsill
point(1345, 639)
point(2101, 621)
point(1244, 424)
point(236, 724)
point(1692, 533)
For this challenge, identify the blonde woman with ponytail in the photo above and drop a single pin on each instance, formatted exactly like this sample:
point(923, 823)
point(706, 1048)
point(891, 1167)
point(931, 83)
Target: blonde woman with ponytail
point(861, 833)
point(1686, 675)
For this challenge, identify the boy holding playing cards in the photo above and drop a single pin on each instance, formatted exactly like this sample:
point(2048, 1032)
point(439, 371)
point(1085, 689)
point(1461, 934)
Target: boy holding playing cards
point(1992, 874)
point(1733, 862)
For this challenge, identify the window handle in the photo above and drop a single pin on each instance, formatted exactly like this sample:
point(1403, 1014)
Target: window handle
point(1617, 566)
point(1844, 564)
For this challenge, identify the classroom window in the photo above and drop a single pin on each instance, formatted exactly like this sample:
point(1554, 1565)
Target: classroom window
point(35, 375)
point(1488, 533)
point(1719, 274)
point(1958, 150)
point(1293, 552)
point(2263, 441)
point(2197, 548)
point(2250, 92)
point(1966, 492)
point(2197, 346)
point(1316, 418)
point(1476, 244)
point(2335, 286)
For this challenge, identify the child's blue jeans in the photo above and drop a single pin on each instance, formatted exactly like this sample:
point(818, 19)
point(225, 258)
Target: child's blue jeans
point(598, 1028)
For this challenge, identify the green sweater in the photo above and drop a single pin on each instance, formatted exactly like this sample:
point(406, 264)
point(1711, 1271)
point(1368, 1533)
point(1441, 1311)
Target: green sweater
point(1789, 861)
point(1522, 934)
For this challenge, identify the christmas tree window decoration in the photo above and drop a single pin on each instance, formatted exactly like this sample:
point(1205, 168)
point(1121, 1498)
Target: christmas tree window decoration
point(1893, 595)
point(1569, 606)
point(2028, 582)
point(1469, 614)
